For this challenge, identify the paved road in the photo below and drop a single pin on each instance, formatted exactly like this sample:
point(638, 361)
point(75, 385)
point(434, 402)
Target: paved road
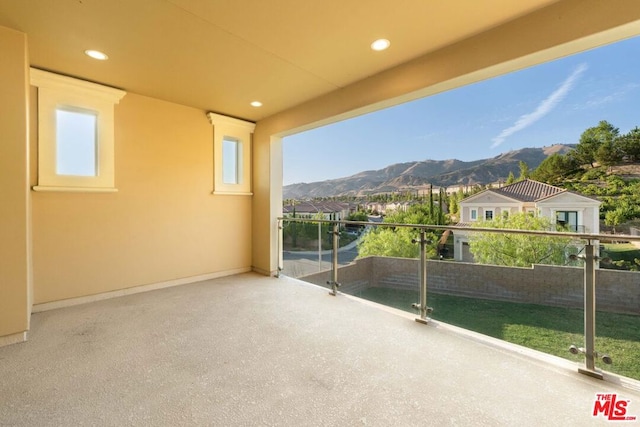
point(298, 264)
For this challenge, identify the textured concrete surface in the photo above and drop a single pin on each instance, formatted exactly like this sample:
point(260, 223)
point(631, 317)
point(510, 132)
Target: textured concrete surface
point(250, 350)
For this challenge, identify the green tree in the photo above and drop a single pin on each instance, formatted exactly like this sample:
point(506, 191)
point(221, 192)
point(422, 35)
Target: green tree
point(591, 140)
point(396, 241)
point(609, 153)
point(442, 200)
point(629, 144)
point(524, 171)
point(453, 204)
point(431, 200)
point(393, 243)
point(615, 217)
point(294, 229)
point(554, 169)
point(358, 216)
point(511, 178)
point(518, 250)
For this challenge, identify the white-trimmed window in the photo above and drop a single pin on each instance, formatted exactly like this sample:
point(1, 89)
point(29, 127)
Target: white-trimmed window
point(488, 214)
point(232, 155)
point(232, 166)
point(75, 133)
point(474, 214)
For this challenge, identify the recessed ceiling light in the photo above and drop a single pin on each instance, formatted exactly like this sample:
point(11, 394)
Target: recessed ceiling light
point(256, 104)
point(380, 44)
point(96, 54)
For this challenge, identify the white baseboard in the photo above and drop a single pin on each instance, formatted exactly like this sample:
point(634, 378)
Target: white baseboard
point(135, 290)
point(13, 338)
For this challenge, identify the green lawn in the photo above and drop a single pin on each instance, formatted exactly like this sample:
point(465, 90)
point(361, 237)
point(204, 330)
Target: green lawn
point(620, 252)
point(548, 329)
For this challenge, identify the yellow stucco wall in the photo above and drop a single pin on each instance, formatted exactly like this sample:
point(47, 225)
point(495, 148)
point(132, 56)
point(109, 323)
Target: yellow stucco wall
point(163, 223)
point(14, 206)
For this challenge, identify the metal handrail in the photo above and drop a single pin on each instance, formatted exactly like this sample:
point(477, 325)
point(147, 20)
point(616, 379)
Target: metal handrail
point(575, 235)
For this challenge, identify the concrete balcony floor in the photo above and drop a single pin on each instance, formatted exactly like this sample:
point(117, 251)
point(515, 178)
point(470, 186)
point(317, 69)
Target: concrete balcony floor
point(253, 350)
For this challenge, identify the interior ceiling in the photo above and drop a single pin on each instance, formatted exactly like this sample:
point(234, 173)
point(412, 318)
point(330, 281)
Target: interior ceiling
point(219, 55)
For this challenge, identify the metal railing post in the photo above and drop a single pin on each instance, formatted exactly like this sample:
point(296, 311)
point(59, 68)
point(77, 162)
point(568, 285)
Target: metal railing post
point(280, 248)
point(334, 261)
point(589, 307)
point(589, 349)
point(422, 305)
point(319, 246)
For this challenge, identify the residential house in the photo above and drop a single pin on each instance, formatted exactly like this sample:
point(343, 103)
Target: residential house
point(378, 207)
point(398, 206)
point(313, 209)
point(572, 211)
point(184, 180)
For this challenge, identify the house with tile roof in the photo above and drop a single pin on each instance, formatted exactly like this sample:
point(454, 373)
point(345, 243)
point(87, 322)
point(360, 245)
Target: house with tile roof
point(312, 209)
point(572, 211)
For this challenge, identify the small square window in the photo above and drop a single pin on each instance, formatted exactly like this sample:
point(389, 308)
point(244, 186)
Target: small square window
point(474, 214)
point(488, 215)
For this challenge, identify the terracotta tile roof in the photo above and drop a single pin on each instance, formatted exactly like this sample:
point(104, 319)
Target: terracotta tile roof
point(528, 190)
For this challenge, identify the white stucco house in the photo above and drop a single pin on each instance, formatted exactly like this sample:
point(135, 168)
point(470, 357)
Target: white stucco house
point(573, 211)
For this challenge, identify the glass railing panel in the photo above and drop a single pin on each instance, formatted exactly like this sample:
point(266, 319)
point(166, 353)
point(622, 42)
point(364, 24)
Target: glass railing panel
point(306, 248)
point(390, 281)
point(617, 286)
point(530, 294)
point(385, 267)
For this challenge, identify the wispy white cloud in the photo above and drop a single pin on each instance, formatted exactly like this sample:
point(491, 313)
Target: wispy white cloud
point(544, 108)
point(613, 96)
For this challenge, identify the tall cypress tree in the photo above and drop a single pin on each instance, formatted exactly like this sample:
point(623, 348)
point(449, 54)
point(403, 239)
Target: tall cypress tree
point(431, 201)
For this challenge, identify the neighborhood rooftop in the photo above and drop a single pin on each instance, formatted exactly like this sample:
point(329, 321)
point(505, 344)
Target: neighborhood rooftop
point(528, 190)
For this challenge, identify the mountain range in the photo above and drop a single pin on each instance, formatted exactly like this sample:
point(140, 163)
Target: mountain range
point(418, 175)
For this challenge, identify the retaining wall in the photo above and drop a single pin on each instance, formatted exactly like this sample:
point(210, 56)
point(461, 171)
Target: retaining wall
point(616, 291)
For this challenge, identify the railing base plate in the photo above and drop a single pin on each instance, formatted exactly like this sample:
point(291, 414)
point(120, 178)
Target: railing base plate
point(423, 321)
point(593, 374)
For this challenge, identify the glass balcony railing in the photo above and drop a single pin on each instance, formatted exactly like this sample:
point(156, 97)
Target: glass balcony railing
point(549, 291)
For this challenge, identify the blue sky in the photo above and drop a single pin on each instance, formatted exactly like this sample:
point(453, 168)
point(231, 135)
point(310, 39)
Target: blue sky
point(539, 106)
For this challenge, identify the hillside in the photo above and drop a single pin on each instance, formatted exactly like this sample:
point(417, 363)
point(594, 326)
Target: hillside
point(419, 174)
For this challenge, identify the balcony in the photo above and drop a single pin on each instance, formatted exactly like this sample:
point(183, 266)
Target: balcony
point(254, 350)
point(548, 305)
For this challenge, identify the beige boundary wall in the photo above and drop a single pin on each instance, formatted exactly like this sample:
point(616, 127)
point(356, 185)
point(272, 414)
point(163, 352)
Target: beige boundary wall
point(616, 291)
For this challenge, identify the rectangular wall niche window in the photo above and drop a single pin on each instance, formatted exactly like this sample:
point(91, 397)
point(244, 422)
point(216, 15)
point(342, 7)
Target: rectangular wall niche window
point(231, 160)
point(231, 155)
point(76, 142)
point(75, 134)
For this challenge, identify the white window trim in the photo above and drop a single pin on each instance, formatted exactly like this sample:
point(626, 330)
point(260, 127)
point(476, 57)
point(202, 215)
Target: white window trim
point(484, 214)
point(471, 211)
point(56, 91)
point(242, 131)
point(580, 216)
